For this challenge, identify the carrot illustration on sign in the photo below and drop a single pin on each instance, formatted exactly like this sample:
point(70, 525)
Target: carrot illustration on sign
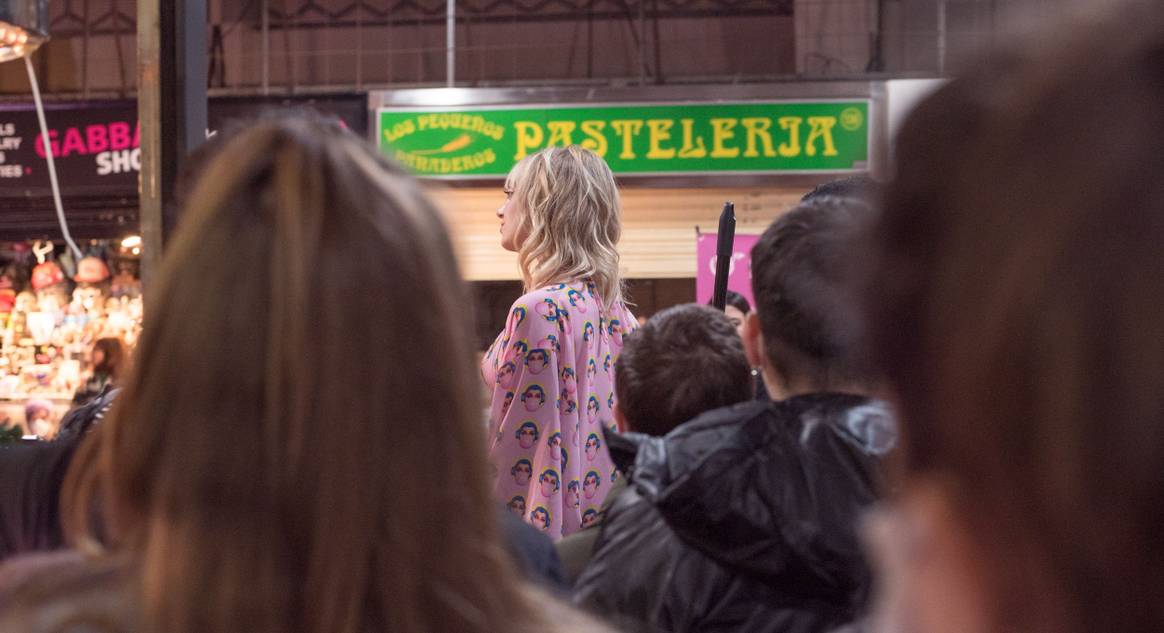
point(460, 142)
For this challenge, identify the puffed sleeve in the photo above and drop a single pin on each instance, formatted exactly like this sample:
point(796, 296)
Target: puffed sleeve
point(526, 412)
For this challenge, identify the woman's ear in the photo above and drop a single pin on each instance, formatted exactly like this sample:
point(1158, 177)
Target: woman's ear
point(620, 418)
point(757, 353)
point(753, 340)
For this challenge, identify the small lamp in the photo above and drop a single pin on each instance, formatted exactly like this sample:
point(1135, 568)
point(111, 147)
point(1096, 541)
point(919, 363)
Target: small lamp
point(23, 27)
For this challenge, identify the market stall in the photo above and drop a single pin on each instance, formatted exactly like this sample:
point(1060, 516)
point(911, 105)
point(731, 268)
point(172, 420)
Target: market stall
point(63, 317)
point(65, 324)
point(679, 153)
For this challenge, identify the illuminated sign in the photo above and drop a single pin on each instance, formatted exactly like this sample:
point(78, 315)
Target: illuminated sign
point(651, 139)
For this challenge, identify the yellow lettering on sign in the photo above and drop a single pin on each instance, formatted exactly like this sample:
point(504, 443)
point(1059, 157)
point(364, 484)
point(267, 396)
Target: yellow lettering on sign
point(698, 149)
point(400, 129)
point(757, 128)
point(790, 124)
point(595, 141)
point(820, 127)
point(439, 165)
point(722, 131)
point(627, 129)
point(659, 132)
point(560, 132)
point(529, 136)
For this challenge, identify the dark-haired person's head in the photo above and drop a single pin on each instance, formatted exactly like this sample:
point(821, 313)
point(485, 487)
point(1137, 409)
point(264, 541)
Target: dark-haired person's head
point(736, 308)
point(683, 361)
point(861, 187)
point(804, 331)
point(1014, 307)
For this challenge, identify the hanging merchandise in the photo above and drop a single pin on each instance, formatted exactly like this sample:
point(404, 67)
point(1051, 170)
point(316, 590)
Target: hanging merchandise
point(7, 295)
point(52, 323)
point(46, 275)
point(48, 280)
point(91, 291)
point(91, 270)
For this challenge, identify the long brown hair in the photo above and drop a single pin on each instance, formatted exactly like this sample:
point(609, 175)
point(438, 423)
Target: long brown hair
point(297, 446)
point(1016, 307)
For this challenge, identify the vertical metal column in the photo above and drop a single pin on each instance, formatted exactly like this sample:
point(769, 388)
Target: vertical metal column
point(172, 76)
point(266, 46)
point(190, 72)
point(658, 46)
point(149, 109)
point(359, 47)
point(589, 40)
point(451, 44)
point(289, 50)
point(85, 49)
point(941, 37)
point(121, 72)
point(642, 43)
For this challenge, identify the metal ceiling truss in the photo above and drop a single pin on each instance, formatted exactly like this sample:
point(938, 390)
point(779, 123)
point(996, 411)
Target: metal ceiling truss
point(72, 18)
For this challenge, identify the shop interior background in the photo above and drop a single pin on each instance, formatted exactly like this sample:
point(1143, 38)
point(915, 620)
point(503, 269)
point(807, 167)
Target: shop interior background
point(331, 53)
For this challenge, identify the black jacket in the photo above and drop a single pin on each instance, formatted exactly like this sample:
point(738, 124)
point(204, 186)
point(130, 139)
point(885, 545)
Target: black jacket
point(30, 483)
point(745, 519)
point(31, 478)
point(533, 552)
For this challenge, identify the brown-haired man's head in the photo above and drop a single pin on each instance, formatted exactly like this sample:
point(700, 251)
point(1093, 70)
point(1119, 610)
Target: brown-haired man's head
point(683, 361)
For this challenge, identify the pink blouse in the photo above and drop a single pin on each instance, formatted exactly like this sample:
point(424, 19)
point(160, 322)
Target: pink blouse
point(552, 375)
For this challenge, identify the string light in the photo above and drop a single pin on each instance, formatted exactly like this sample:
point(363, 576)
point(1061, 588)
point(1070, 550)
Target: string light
point(16, 42)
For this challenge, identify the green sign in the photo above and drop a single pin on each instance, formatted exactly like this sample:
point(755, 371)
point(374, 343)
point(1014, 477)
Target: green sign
point(721, 138)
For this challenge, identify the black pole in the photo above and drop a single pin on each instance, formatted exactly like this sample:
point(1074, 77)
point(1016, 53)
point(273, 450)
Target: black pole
point(184, 75)
point(725, 241)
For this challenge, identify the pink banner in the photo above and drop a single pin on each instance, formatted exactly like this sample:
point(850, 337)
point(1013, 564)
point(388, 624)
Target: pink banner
point(739, 273)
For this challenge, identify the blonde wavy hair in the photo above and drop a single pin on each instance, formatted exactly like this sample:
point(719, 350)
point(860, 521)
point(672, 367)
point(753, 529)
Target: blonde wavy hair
point(572, 220)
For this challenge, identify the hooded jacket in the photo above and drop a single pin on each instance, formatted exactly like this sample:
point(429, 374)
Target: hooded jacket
point(744, 519)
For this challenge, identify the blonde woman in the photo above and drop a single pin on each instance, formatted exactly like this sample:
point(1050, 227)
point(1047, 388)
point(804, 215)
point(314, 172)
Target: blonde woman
point(552, 368)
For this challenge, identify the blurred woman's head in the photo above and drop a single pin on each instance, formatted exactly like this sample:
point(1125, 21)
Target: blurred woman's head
point(563, 217)
point(38, 418)
point(108, 356)
point(270, 462)
point(1015, 308)
point(736, 308)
